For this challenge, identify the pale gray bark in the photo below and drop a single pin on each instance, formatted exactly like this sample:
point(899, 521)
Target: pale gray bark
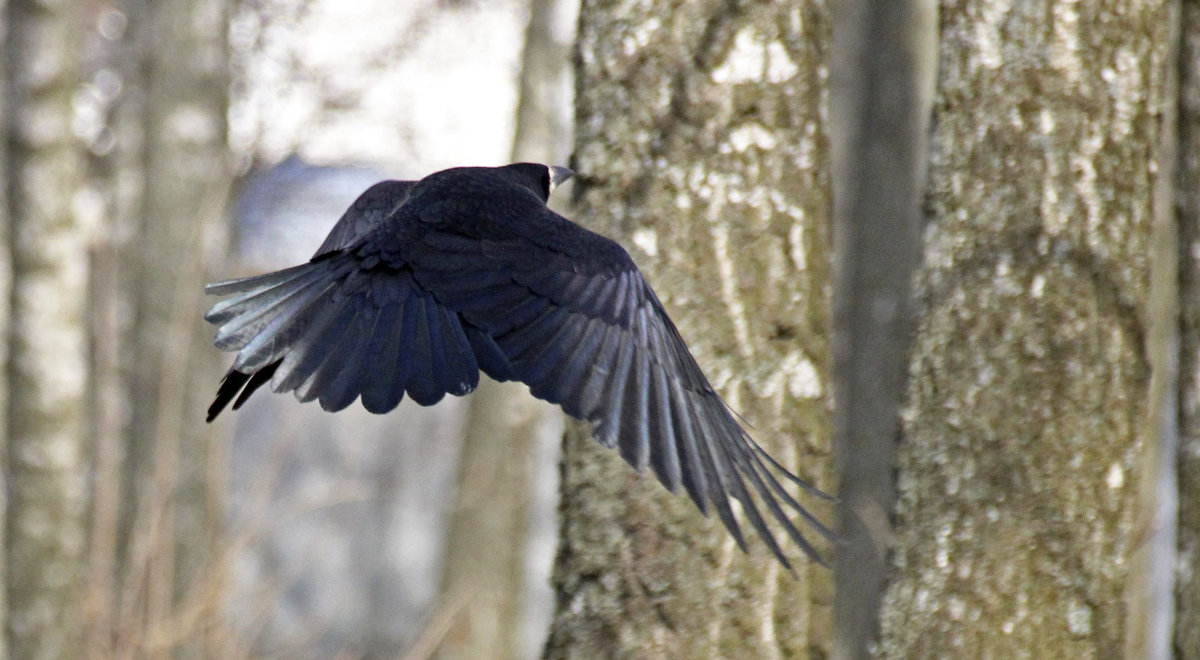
point(1030, 445)
point(700, 145)
point(884, 64)
point(45, 541)
point(484, 578)
point(110, 66)
point(543, 127)
point(180, 170)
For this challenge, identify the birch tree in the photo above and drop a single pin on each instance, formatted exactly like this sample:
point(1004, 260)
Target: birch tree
point(1039, 424)
point(700, 145)
point(45, 458)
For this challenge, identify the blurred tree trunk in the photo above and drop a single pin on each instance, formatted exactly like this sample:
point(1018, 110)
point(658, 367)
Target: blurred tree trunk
point(484, 578)
point(178, 173)
point(45, 542)
point(6, 297)
point(1187, 621)
point(110, 68)
point(700, 145)
point(1029, 473)
point(884, 58)
point(484, 572)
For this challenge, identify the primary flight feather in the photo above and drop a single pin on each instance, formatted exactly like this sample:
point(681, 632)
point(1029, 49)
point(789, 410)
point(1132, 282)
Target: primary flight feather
point(423, 284)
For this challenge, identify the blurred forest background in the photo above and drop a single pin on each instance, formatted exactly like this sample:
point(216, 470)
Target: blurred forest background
point(971, 224)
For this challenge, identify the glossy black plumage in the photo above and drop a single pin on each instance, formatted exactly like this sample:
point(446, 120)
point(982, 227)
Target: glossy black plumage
point(421, 285)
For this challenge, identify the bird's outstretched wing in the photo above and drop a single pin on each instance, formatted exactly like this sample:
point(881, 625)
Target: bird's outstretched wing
point(420, 306)
point(576, 322)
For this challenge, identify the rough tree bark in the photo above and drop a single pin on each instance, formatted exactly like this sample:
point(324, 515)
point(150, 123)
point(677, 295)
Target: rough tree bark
point(45, 541)
point(1031, 445)
point(484, 576)
point(700, 145)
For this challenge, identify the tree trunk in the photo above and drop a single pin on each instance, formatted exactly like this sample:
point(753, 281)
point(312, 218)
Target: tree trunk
point(484, 571)
point(46, 465)
point(484, 579)
point(1032, 451)
point(700, 145)
point(181, 171)
point(1187, 620)
point(882, 85)
point(6, 296)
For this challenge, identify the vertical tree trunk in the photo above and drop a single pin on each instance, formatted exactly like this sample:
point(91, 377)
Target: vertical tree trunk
point(1030, 444)
point(112, 67)
point(884, 62)
point(484, 571)
point(182, 175)
point(5, 297)
point(45, 540)
point(1187, 621)
point(484, 577)
point(700, 145)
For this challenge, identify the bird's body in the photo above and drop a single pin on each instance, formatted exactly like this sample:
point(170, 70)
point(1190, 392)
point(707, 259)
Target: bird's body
point(421, 285)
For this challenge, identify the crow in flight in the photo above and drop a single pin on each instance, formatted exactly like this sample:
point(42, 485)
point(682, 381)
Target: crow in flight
point(422, 284)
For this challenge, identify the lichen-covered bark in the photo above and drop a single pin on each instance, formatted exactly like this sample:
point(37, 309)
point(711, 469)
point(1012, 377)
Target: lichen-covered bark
point(1027, 428)
point(45, 542)
point(1187, 609)
point(700, 145)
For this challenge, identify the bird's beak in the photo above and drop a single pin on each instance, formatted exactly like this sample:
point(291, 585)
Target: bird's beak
point(558, 175)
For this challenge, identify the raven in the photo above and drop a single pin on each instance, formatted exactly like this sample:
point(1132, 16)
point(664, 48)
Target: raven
point(423, 284)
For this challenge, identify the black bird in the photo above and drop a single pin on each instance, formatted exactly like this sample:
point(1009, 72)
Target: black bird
point(422, 284)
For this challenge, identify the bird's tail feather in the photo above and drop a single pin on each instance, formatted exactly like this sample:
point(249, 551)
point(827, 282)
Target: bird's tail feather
point(332, 330)
point(266, 306)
